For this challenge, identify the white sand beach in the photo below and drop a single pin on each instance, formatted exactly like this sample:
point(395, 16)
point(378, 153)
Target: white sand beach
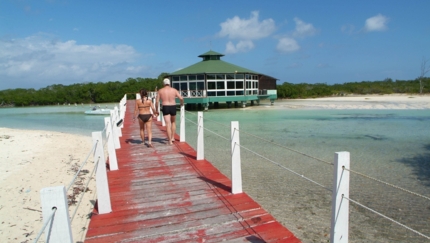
point(392, 101)
point(30, 161)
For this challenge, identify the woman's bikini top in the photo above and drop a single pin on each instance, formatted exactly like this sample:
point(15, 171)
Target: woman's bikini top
point(143, 106)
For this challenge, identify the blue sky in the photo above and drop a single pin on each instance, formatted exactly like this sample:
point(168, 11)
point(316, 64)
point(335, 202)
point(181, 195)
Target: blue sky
point(48, 42)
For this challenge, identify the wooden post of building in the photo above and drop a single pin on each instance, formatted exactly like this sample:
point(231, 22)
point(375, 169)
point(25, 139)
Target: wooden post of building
point(236, 171)
point(58, 229)
point(340, 205)
point(182, 128)
point(200, 137)
point(103, 195)
point(113, 162)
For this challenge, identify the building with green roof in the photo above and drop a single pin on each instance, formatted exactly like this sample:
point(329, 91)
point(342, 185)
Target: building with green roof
point(213, 80)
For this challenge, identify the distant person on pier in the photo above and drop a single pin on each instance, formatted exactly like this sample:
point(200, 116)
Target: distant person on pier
point(167, 96)
point(142, 111)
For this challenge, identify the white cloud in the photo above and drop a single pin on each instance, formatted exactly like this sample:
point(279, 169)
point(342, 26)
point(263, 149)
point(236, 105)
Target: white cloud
point(376, 23)
point(347, 28)
point(241, 46)
point(41, 60)
point(247, 29)
point(287, 44)
point(303, 29)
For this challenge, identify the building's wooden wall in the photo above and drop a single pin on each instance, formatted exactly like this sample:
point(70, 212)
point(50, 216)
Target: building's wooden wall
point(266, 83)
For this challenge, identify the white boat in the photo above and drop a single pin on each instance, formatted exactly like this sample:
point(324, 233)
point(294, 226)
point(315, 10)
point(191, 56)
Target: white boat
point(98, 111)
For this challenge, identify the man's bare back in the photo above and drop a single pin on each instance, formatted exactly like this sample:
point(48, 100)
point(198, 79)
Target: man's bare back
point(168, 95)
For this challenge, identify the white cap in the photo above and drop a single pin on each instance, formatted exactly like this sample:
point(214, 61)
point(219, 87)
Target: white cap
point(166, 81)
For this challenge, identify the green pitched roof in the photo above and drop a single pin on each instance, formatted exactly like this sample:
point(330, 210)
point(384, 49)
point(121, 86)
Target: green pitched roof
point(209, 65)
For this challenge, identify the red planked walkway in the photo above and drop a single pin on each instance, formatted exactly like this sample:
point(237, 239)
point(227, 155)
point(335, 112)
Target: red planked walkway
point(163, 194)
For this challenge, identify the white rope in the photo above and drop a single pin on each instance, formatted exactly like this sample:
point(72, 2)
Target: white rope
point(104, 129)
point(358, 173)
point(261, 156)
point(302, 176)
point(85, 189)
point(209, 131)
point(77, 173)
point(293, 150)
point(107, 139)
point(388, 184)
point(279, 145)
point(390, 219)
point(44, 225)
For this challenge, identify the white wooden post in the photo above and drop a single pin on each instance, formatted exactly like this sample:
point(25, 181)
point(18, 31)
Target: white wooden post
point(200, 137)
point(236, 171)
point(182, 129)
point(59, 229)
point(160, 116)
point(103, 195)
point(153, 102)
point(114, 130)
point(340, 206)
point(163, 122)
point(113, 162)
point(123, 105)
point(116, 117)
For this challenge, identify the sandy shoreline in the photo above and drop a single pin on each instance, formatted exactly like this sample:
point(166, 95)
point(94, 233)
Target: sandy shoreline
point(32, 160)
point(357, 102)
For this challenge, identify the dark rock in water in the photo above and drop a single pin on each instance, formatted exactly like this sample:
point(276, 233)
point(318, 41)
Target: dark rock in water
point(375, 137)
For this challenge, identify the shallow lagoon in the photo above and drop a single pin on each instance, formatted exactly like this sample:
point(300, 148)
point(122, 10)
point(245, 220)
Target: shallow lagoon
point(390, 145)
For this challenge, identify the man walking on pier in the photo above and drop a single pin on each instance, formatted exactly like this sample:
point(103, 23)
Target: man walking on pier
point(167, 95)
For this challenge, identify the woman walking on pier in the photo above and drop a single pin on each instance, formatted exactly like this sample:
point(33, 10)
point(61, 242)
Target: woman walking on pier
point(142, 111)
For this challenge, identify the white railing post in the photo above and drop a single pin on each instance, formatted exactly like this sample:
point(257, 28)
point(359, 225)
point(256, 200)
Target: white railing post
point(340, 206)
point(103, 195)
point(116, 118)
point(113, 162)
point(122, 109)
point(182, 128)
point(163, 122)
point(114, 130)
point(159, 118)
point(200, 137)
point(236, 171)
point(59, 229)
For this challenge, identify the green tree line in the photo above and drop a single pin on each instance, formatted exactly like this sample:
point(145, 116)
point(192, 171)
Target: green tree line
point(387, 86)
point(78, 93)
point(113, 91)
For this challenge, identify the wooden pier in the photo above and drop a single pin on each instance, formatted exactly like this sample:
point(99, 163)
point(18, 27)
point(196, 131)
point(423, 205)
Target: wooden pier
point(163, 194)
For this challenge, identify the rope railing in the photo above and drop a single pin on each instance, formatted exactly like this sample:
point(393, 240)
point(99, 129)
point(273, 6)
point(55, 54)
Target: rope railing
point(80, 168)
point(284, 167)
point(388, 184)
point(85, 189)
point(106, 140)
point(305, 177)
point(263, 157)
point(386, 217)
point(49, 219)
point(56, 197)
point(317, 159)
point(267, 141)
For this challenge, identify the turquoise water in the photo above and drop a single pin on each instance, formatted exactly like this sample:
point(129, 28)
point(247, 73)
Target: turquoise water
point(68, 119)
point(379, 138)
